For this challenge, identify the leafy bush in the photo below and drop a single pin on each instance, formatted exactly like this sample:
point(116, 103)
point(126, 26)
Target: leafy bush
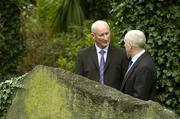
point(69, 13)
point(12, 43)
point(160, 21)
point(7, 89)
point(36, 27)
point(97, 9)
point(65, 46)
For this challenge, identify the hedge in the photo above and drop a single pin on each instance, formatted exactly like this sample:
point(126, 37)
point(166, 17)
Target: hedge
point(12, 43)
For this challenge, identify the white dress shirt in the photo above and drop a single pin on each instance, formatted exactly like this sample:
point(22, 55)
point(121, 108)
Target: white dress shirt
point(134, 58)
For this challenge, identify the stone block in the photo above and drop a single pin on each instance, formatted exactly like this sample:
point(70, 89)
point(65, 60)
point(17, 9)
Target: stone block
point(53, 93)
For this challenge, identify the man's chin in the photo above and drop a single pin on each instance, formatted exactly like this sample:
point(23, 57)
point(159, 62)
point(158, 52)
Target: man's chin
point(105, 45)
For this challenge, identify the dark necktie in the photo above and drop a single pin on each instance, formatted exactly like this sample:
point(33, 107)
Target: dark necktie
point(130, 63)
point(101, 67)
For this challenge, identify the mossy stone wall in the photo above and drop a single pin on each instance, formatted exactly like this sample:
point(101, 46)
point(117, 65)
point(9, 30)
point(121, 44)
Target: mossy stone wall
point(53, 93)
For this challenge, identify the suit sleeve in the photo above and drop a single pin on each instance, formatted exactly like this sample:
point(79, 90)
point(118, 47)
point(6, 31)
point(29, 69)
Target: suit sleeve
point(79, 65)
point(143, 83)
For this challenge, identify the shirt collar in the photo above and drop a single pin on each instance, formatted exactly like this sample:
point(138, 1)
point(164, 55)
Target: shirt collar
point(137, 56)
point(99, 49)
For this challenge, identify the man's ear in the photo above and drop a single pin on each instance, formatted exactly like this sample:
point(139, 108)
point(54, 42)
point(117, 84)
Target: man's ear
point(130, 44)
point(93, 35)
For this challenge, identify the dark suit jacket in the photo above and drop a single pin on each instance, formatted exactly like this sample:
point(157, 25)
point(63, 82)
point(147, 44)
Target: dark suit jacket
point(140, 81)
point(115, 66)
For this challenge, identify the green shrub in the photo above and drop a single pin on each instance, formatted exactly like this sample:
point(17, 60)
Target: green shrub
point(65, 46)
point(70, 12)
point(12, 43)
point(160, 22)
point(97, 9)
point(7, 89)
point(36, 27)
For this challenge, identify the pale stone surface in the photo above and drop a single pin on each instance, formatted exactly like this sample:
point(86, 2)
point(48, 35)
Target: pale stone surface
point(52, 93)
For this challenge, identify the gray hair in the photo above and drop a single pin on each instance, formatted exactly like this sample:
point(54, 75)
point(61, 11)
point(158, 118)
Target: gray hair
point(97, 24)
point(136, 37)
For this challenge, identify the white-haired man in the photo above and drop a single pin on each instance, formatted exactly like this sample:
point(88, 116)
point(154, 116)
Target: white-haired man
point(101, 61)
point(140, 78)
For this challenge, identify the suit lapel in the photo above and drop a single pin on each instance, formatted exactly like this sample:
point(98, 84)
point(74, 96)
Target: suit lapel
point(94, 56)
point(109, 57)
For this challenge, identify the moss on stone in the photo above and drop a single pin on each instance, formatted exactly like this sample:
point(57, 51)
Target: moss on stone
point(52, 93)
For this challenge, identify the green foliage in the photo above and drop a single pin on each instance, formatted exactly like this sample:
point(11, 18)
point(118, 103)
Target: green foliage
point(69, 13)
point(97, 9)
point(12, 43)
point(66, 45)
point(7, 89)
point(160, 22)
point(36, 27)
point(73, 12)
point(38, 18)
point(45, 10)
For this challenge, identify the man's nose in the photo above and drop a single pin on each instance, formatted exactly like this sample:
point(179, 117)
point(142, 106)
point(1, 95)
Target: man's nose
point(105, 37)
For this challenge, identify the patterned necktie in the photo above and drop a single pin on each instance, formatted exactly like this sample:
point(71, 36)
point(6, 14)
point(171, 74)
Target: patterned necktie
point(101, 67)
